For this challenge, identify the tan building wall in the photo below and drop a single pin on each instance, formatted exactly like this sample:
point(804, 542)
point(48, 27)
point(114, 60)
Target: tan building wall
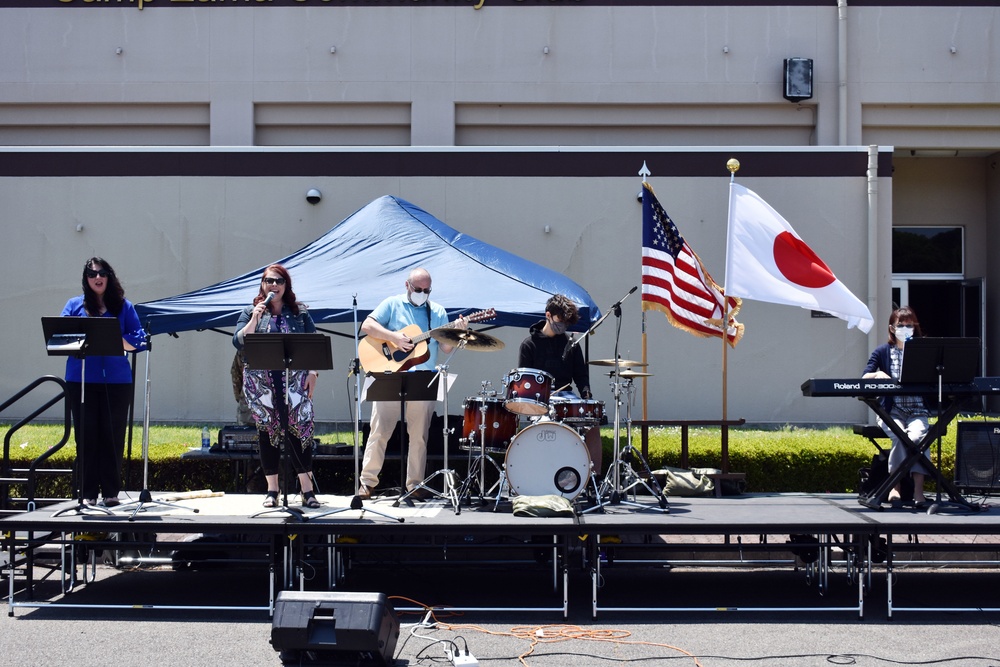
point(921, 78)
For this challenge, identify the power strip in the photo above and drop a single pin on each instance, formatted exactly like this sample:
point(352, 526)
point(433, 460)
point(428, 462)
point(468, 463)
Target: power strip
point(459, 659)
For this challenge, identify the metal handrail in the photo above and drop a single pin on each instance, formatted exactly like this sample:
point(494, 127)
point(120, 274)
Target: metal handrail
point(7, 467)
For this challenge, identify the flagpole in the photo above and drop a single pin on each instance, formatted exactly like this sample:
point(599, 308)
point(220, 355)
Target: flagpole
point(733, 165)
point(645, 379)
point(644, 172)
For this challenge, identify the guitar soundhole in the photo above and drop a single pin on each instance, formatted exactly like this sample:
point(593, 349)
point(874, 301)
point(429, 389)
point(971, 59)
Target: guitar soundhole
point(386, 352)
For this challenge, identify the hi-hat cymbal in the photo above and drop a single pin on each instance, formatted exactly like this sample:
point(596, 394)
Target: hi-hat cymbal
point(622, 363)
point(471, 340)
point(628, 375)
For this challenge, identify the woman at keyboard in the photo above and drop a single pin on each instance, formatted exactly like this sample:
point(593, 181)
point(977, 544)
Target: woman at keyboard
point(910, 412)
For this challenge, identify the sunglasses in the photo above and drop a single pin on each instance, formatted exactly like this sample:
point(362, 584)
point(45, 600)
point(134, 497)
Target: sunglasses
point(90, 273)
point(420, 290)
point(274, 281)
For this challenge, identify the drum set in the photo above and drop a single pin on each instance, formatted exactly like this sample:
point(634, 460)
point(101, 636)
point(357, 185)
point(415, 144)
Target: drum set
point(540, 433)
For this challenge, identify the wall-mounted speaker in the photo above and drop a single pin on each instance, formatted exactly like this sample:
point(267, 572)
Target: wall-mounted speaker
point(977, 455)
point(798, 79)
point(323, 628)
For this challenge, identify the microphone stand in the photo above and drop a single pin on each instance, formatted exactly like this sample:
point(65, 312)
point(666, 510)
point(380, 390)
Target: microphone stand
point(356, 502)
point(616, 308)
point(145, 497)
point(613, 477)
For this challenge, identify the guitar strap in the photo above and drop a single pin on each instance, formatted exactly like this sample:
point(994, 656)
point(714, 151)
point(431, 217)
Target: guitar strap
point(428, 307)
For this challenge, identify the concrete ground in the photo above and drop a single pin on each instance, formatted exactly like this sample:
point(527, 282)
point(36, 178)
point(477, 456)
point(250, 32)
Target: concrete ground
point(162, 636)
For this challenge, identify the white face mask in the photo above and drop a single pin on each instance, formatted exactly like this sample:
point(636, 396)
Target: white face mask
point(904, 333)
point(418, 299)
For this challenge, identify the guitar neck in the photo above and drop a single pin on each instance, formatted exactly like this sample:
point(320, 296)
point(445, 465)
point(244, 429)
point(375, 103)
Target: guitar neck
point(474, 317)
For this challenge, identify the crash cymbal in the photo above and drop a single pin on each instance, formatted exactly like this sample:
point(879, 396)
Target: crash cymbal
point(473, 340)
point(622, 363)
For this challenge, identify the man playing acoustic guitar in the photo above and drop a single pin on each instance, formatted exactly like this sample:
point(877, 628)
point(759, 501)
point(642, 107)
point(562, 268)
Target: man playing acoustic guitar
point(385, 325)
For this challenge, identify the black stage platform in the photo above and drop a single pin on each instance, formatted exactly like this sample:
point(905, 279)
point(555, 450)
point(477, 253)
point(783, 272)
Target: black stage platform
point(476, 559)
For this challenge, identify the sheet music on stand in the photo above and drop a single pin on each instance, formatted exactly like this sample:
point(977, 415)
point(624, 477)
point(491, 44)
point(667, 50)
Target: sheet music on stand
point(65, 343)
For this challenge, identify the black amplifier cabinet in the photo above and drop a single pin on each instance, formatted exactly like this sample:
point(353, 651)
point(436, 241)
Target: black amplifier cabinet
point(977, 455)
point(334, 628)
point(236, 438)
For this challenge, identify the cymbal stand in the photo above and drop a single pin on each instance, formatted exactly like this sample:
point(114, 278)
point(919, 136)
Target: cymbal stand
point(633, 479)
point(450, 492)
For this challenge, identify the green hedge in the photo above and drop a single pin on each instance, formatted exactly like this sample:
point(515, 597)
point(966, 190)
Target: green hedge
point(789, 459)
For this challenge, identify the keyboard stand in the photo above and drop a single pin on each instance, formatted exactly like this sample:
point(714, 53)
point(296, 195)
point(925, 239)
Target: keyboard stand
point(915, 453)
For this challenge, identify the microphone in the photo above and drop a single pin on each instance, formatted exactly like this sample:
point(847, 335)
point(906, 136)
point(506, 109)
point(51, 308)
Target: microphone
point(569, 346)
point(267, 300)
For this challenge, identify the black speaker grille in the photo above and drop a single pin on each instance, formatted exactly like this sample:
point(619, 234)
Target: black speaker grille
point(977, 455)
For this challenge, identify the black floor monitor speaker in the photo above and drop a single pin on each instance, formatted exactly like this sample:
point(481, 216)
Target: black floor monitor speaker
point(977, 455)
point(322, 628)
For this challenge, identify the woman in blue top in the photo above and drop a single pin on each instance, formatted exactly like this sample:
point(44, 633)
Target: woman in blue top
point(265, 389)
point(100, 443)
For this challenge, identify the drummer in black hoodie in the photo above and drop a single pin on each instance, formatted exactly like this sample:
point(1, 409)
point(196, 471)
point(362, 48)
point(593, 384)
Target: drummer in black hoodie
point(545, 349)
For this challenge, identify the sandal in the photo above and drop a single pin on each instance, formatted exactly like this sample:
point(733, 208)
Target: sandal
point(309, 500)
point(271, 499)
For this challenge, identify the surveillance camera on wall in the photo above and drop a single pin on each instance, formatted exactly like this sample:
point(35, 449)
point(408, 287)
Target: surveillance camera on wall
point(314, 196)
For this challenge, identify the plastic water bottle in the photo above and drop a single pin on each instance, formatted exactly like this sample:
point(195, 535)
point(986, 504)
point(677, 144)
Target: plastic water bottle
point(205, 443)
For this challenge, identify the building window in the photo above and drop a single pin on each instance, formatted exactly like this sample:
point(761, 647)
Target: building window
point(928, 251)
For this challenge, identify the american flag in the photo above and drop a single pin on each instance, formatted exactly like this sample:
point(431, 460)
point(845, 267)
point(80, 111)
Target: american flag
point(675, 281)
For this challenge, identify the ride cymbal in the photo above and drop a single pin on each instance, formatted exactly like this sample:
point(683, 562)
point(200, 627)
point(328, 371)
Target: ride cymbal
point(622, 363)
point(469, 339)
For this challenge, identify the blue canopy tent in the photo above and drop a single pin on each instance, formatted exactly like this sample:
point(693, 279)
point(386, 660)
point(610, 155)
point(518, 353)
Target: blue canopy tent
point(369, 255)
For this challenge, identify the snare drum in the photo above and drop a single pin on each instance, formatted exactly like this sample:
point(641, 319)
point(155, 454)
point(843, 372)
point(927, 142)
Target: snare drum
point(528, 391)
point(547, 458)
point(486, 422)
point(577, 410)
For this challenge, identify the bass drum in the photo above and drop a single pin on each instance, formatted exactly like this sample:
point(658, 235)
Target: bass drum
point(547, 458)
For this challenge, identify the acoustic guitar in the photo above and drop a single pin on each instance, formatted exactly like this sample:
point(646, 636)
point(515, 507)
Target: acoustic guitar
point(381, 356)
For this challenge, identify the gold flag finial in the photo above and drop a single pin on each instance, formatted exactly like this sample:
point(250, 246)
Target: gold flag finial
point(733, 165)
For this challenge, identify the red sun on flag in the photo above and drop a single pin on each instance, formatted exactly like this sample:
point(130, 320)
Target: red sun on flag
point(799, 264)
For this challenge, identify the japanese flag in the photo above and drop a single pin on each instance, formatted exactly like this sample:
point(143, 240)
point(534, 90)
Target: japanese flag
point(767, 261)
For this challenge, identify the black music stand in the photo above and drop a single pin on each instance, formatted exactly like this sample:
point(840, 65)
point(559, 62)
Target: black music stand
point(287, 352)
point(356, 502)
point(82, 337)
point(939, 363)
point(403, 387)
